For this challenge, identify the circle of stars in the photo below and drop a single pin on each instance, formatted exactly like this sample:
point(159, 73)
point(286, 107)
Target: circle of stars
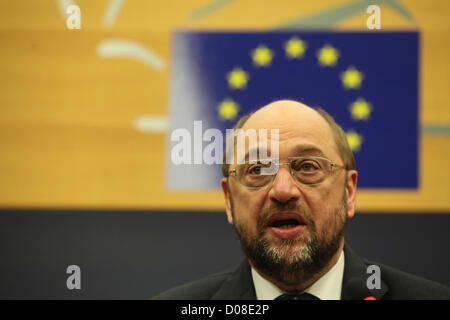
point(295, 48)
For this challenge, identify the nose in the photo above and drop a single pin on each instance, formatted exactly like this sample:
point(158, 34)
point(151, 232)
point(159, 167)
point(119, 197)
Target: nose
point(284, 187)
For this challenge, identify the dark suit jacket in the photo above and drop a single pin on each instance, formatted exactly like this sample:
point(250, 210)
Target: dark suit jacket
point(237, 284)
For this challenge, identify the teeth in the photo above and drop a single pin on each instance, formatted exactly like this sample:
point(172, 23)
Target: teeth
point(287, 226)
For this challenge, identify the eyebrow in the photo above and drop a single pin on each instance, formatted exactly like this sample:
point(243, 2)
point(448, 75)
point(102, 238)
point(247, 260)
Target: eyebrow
point(299, 150)
point(308, 150)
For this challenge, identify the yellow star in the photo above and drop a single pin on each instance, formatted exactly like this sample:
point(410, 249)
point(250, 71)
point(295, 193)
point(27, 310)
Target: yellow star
point(262, 56)
point(360, 109)
point(228, 109)
point(237, 78)
point(327, 56)
point(295, 48)
point(352, 78)
point(354, 140)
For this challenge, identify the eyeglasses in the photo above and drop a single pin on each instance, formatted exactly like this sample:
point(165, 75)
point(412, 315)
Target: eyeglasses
point(304, 170)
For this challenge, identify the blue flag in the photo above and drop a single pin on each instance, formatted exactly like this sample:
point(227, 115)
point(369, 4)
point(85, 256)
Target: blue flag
point(368, 81)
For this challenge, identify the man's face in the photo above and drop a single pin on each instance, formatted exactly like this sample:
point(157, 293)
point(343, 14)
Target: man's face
point(300, 249)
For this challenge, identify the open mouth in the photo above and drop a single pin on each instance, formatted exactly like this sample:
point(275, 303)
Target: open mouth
point(285, 220)
point(287, 225)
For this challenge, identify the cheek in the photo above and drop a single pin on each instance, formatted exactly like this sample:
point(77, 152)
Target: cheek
point(321, 202)
point(247, 208)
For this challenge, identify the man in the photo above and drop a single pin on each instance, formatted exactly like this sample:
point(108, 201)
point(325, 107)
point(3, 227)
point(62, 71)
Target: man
point(291, 223)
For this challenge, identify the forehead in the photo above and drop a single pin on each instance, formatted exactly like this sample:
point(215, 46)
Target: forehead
point(299, 127)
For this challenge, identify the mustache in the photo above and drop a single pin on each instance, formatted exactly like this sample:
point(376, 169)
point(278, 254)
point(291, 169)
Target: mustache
point(275, 207)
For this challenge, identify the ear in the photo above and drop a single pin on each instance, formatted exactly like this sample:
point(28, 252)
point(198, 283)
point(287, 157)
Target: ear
point(350, 189)
point(223, 182)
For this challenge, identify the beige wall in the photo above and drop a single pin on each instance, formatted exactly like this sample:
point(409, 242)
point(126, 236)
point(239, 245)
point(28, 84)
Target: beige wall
point(66, 115)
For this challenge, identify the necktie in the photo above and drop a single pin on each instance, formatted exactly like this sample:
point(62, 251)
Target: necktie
point(302, 296)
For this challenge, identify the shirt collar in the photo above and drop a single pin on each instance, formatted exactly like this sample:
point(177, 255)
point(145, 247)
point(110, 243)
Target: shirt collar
point(328, 287)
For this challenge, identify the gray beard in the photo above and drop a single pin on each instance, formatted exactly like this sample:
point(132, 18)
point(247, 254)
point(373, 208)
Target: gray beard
point(294, 269)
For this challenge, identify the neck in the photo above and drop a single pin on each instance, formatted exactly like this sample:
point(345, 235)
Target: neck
point(299, 287)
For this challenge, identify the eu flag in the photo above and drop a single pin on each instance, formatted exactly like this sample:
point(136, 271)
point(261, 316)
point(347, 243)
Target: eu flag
point(368, 81)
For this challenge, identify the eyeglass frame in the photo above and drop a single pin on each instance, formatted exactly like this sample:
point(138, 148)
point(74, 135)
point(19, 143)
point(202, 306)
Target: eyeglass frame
point(291, 160)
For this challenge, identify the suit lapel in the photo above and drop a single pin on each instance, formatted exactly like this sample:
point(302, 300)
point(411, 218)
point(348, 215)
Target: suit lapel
point(356, 268)
point(238, 285)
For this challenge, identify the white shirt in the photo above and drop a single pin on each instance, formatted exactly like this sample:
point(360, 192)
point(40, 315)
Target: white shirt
point(328, 287)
